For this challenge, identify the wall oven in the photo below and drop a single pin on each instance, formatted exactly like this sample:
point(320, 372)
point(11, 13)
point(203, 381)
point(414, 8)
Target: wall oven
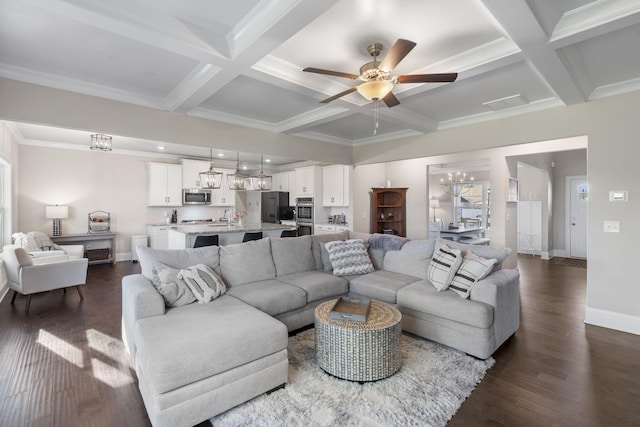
point(304, 216)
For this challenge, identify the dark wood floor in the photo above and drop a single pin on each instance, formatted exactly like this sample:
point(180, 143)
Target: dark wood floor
point(64, 364)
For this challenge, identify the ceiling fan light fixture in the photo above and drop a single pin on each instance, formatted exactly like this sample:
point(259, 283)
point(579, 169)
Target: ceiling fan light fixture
point(375, 89)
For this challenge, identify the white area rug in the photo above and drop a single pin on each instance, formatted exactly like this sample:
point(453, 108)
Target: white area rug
point(427, 391)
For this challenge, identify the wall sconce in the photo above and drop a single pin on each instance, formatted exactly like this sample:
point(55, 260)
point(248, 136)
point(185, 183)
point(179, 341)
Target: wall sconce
point(57, 213)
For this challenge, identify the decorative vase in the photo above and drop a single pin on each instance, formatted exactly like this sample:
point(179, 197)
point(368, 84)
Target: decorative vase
point(240, 222)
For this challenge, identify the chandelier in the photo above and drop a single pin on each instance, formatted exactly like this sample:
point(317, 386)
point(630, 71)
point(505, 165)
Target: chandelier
point(457, 184)
point(238, 180)
point(100, 141)
point(211, 179)
point(261, 182)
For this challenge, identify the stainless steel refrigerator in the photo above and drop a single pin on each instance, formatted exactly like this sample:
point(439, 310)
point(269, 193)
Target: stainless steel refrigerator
point(275, 207)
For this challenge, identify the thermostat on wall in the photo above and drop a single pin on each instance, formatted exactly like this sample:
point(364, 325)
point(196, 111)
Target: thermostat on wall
point(618, 196)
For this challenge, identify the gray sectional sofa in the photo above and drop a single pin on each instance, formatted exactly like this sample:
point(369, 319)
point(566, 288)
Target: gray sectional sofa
point(198, 360)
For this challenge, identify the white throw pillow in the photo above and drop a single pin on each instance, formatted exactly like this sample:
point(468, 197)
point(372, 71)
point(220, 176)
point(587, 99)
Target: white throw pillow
point(349, 257)
point(472, 269)
point(443, 266)
point(203, 282)
point(173, 289)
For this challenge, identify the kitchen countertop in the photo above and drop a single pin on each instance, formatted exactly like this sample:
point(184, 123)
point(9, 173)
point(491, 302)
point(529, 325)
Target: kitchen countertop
point(226, 228)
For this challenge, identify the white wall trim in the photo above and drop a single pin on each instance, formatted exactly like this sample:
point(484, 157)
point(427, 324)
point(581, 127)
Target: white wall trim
point(561, 253)
point(123, 256)
point(609, 319)
point(545, 255)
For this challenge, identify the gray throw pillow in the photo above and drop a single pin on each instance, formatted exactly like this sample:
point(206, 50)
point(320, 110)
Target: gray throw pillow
point(349, 257)
point(173, 289)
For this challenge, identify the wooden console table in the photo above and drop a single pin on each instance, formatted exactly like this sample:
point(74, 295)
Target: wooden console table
point(86, 239)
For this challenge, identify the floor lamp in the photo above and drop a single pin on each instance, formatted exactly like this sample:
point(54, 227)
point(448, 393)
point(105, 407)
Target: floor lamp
point(434, 204)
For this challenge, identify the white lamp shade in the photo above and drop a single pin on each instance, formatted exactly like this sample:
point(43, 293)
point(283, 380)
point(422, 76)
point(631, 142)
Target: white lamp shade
point(434, 203)
point(375, 89)
point(57, 212)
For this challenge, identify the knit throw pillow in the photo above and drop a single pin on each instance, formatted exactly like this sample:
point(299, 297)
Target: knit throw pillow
point(203, 282)
point(349, 257)
point(443, 266)
point(472, 269)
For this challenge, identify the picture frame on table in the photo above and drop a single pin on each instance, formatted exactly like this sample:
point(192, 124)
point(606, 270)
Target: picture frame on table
point(512, 189)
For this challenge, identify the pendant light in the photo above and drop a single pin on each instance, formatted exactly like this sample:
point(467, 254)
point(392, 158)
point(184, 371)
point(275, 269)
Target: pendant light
point(101, 142)
point(238, 180)
point(211, 179)
point(261, 182)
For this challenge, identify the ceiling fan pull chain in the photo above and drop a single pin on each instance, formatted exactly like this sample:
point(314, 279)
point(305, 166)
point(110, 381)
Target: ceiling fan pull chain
point(375, 128)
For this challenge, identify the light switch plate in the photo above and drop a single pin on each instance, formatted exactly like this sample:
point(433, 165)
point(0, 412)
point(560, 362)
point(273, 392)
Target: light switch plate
point(618, 196)
point(612, 226)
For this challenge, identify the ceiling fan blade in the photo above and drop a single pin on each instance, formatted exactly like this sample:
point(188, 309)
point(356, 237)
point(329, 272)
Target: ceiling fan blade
point(340, 95)
point(330, 73)
point(428, 78)
point(399, 50)
point(391, 100)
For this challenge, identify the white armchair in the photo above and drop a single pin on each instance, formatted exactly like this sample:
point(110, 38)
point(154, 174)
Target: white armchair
point(28, 275)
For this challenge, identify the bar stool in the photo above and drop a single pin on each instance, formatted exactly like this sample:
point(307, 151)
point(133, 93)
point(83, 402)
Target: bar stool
point(206, 241)
point(256, 235)
point(289, 233)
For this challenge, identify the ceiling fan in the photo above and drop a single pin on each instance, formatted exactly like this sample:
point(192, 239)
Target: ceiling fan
point(377, 78)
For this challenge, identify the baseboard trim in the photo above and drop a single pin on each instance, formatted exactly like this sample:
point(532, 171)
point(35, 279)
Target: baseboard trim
point(560, 253)
point(611, 320)
point(545, 255)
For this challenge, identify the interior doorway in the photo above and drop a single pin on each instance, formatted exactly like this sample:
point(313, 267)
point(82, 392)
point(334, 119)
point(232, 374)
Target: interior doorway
point(577, 206)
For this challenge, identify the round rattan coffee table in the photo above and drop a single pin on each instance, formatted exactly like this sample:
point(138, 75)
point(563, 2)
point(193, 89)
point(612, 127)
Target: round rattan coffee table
point(355, 351)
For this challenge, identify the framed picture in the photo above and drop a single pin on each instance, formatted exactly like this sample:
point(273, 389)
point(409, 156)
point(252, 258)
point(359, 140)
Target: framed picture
point(512, 189)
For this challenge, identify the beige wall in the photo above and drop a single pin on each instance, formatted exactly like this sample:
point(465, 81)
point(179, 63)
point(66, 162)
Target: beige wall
point(86, 181)
point(610, 124)
point(612, 128)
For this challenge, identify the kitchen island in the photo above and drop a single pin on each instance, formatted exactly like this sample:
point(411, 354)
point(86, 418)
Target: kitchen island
point(181, 237)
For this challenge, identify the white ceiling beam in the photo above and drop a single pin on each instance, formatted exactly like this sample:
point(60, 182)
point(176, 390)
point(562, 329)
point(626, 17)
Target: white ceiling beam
point(252, 46)
point(519, 22)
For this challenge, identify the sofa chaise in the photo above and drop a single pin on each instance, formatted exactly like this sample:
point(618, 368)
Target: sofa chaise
point(195, 361)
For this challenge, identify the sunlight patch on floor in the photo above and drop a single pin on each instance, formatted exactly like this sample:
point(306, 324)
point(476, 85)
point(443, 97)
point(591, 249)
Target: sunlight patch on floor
point(63, 349)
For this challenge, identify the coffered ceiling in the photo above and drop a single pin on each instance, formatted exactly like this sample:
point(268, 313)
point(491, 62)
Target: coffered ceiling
point(241, 61)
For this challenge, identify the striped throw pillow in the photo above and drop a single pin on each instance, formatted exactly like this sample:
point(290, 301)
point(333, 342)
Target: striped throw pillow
point(472, 269)
point(349, 257)
point(443, 266)
point(204, 283)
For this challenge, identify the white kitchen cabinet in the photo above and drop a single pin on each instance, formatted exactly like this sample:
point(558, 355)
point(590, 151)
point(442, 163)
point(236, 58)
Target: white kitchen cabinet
point(335, 185)
point(191, 173)
point(285, 181)
point(309, 182)
point(324, 229)
point(280, 181)
point(164, 184)
point(158, 236)
point(224, 196)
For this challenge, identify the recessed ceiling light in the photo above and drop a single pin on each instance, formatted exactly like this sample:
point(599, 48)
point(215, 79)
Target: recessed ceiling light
point(160, 147)
point(244, 168)
point(267, 160)
point(220, 154)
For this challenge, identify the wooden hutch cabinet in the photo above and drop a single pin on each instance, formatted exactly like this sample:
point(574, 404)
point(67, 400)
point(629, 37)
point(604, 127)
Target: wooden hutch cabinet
point(388, 211)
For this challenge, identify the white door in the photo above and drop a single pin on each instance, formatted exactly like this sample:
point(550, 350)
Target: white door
point(579, 200)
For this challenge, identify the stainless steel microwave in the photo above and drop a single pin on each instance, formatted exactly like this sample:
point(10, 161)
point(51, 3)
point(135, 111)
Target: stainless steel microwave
point(196, 196)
